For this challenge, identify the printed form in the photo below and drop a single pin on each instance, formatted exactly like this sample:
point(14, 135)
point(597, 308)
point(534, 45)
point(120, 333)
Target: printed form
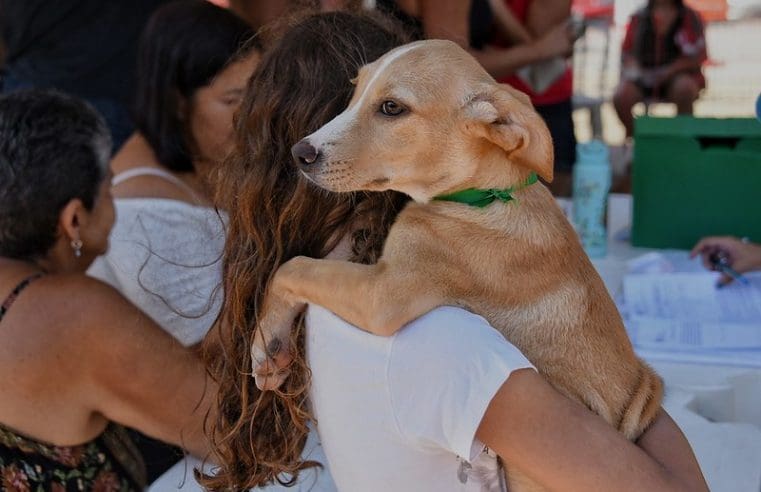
point(687, 311)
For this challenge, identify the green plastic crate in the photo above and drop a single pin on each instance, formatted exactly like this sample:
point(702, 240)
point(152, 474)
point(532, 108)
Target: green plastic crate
point(694, 177)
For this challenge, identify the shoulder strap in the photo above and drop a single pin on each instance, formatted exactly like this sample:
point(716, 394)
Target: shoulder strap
point(16, 291)
point(159, 173)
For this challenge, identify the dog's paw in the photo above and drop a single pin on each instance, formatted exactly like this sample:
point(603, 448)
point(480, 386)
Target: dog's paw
point(270, 367)
point(270, 352)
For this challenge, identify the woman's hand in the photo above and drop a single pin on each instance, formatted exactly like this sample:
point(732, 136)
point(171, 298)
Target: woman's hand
point(741, 256)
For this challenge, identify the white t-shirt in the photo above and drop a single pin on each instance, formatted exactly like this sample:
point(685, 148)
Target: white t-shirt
point(165, 256)
point(400, 413)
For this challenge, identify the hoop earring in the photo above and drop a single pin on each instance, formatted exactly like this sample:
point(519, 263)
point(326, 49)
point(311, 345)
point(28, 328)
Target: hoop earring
point(76, 245)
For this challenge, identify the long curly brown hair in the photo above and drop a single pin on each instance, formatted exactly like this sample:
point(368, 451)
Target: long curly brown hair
point(302, 82)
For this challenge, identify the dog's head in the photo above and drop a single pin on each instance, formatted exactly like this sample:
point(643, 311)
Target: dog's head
point(426, 119)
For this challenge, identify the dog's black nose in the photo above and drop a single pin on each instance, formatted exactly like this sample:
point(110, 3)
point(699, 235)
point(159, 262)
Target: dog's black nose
point(305, 153)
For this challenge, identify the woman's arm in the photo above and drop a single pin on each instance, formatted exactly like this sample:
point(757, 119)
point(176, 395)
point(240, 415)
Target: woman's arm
point(507, 25)
point(544, 15)
point(449, 20)
point(563, 446)
point(138, 375)
point(681, 64)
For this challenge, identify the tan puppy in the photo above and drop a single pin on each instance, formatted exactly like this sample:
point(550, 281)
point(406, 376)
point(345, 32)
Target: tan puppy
point(427, 120)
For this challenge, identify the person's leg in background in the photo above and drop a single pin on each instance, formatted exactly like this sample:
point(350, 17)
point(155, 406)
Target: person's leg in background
point(627, 95)
point(683, 91)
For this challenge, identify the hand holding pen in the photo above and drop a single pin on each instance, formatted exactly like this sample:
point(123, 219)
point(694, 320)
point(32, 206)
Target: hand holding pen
point(720, 263)
point(730, 256)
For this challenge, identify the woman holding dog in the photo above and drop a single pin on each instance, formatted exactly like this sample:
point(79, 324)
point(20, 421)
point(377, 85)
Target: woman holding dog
point(428, 409)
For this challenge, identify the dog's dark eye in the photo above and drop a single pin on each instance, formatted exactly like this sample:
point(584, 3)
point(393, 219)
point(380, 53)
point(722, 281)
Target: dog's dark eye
point(391, 108)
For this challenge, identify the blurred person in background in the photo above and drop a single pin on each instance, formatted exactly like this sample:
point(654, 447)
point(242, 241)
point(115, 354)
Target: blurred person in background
point(81, 47)
point(194, 59)
point(543, 18)
point(474, 25)
point(661, 59)
point(77, 360)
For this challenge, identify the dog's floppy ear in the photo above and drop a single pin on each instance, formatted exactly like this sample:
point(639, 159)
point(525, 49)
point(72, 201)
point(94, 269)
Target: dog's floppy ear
point(505, 117)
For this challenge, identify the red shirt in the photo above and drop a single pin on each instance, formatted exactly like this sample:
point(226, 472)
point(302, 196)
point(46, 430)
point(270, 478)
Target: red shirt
point(561, 90)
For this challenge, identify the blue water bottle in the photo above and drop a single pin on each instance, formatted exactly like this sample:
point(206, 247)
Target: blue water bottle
point(591, 183)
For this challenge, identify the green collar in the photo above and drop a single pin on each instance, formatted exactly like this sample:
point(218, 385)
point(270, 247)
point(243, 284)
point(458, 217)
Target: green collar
point(481, 198)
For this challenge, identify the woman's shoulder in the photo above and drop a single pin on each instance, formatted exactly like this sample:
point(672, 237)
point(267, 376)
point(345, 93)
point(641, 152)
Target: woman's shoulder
point(74, 287)
point(443, 331)
point(138, 174)
point(67, 314)
point(456, 334)
point(692, 20)
point(76, 301)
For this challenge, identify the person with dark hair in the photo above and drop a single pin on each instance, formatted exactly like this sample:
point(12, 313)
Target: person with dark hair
point(661, 58)
point(82, 47)
point(77, 360)
point(263, 12)
point(429, 409)
point(194, 59)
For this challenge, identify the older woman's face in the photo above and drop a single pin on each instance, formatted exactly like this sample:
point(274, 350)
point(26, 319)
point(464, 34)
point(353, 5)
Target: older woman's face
point(213, 106)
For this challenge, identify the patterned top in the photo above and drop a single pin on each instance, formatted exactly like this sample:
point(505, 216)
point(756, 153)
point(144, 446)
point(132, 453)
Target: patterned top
point(108, 463)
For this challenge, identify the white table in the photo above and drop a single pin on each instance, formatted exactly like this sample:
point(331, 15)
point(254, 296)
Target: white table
point(717, 407)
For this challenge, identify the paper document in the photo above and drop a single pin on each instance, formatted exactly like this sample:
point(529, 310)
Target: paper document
point(664, 333)
point(693, 296)
point(686, 311)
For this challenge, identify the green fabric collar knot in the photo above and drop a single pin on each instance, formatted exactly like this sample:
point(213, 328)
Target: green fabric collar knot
point(480, 198)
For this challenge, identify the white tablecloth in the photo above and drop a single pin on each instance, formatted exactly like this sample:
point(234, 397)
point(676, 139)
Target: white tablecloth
point(717, 406)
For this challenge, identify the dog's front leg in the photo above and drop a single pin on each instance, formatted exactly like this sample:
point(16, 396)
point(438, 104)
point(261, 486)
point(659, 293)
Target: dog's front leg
point(378, 298)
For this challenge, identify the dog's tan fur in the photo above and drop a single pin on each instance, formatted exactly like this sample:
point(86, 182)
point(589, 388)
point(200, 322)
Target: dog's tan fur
point(519, 264)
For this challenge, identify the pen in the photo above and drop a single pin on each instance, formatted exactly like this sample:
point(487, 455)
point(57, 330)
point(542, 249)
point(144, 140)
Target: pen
point(721, 263)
